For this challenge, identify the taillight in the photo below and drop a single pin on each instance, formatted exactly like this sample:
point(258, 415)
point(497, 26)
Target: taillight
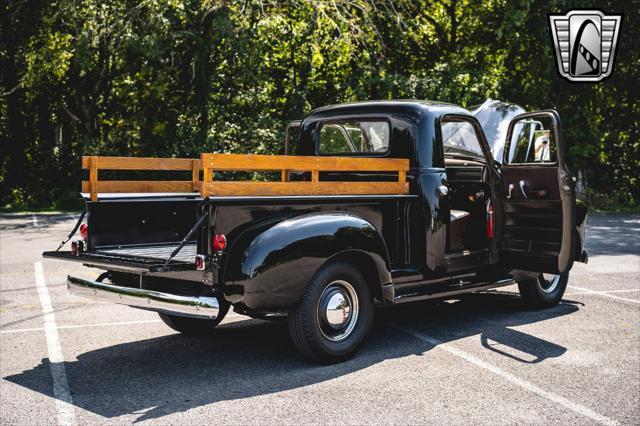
point(200, 262)
point(219, 242)
point(490, 221)
point(84, 230)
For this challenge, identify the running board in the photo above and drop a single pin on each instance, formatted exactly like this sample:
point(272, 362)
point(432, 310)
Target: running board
point(437, 292)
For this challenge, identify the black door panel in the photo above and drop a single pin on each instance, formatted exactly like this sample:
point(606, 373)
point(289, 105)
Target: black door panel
point(540, 183)
point(538, 200)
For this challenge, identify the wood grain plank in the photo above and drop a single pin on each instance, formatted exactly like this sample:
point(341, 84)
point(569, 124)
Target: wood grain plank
point(195, 174)
point(255, 162)
point(115, 186)
point(140, 163)
point(93, 178)
point(302, 188)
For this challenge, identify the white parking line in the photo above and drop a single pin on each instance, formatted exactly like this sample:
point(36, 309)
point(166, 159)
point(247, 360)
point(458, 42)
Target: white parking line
point(631, 290)
point(100, 324)
point(65, 327)
point(558, 399)
point(34, 218)
point(601, 293)
point(61, 393)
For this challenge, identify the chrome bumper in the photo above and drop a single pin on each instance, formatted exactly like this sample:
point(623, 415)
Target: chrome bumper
point(191, 306)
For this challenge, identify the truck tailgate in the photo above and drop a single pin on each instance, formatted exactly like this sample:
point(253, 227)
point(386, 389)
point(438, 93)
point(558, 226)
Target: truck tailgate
point(148, 258)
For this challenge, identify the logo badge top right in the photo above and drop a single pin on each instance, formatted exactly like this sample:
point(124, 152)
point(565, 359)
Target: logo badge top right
point(585, 42)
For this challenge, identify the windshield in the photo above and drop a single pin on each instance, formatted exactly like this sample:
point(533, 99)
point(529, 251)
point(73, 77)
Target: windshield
point(494, 117)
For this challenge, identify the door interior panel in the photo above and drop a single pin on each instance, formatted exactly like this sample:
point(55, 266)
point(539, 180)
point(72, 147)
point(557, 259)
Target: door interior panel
point(538, 207)
point(541, 183)
point(532, 229)
point(532, 224)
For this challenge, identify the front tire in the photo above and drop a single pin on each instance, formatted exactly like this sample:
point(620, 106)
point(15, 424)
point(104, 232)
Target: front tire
point(194, 326)
point(334, 316)
point(544, 290)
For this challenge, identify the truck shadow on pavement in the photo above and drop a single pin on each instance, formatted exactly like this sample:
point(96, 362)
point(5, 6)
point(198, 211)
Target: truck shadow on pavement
point(24, 222)
point(156, 377)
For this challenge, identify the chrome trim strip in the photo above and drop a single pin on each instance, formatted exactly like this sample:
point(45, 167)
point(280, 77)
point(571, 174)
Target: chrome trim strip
point(191, 306)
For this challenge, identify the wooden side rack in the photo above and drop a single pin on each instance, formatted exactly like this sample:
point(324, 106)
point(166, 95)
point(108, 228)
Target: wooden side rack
point(212, 163)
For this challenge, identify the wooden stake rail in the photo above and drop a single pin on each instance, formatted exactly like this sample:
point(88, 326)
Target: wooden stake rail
point(212, 163)
point(286, 163)
point(95, 186)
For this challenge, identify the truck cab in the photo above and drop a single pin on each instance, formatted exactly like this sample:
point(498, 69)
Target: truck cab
point(472, 210)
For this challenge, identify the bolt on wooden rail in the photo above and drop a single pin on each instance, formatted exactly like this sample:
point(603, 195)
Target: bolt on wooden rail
point(212, 163)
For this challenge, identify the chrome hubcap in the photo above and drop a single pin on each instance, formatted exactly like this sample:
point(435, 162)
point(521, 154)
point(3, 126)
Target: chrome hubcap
point(338, 310)
point(548, 282)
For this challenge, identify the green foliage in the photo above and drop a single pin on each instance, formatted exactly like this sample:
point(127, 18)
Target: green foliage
point(180, 77)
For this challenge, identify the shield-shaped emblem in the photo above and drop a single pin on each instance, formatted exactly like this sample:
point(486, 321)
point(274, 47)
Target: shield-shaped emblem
point(585, 44)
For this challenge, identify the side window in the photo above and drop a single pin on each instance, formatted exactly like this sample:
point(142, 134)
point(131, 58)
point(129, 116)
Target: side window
point(459, 137)
point(533, 141)
point(354, 137)
point(292, 134)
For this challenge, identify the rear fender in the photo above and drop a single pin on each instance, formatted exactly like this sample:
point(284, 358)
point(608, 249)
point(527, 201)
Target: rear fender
point(270, 270)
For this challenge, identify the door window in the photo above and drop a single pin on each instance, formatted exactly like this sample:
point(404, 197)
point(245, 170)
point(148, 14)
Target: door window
point(533, 140)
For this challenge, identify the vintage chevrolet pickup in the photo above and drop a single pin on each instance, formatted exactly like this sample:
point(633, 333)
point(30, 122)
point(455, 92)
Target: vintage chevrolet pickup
point(381, 202)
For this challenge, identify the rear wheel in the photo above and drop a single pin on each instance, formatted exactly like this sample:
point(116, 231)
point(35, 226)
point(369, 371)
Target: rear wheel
point(334, 315)
point(544, 290)
point(194, 326)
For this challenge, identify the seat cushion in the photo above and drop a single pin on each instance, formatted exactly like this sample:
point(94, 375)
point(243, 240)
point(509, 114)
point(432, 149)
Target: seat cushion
point(458, 214)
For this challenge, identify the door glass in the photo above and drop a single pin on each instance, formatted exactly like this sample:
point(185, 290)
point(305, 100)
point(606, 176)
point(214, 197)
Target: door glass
point(533, 141)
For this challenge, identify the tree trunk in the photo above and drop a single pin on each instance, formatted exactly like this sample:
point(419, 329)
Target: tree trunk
point(15, 145)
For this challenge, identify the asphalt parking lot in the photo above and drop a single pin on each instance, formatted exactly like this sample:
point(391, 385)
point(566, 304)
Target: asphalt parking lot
point(481, 359)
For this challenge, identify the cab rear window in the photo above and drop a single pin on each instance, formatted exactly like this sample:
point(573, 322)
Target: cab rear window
point(353, 137)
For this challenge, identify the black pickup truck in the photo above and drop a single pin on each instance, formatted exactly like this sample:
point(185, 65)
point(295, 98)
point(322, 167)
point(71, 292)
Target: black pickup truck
point(468, 222)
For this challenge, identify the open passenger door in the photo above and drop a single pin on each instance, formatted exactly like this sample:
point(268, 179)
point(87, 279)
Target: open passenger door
point(538, 219)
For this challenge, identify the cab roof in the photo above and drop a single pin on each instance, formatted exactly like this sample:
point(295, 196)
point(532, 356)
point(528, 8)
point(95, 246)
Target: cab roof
point(401, 106)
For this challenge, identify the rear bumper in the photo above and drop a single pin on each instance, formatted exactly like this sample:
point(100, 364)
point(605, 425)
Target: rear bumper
point(191, 306)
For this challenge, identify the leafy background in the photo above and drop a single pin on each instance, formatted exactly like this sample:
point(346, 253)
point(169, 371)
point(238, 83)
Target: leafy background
point(181, 77)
